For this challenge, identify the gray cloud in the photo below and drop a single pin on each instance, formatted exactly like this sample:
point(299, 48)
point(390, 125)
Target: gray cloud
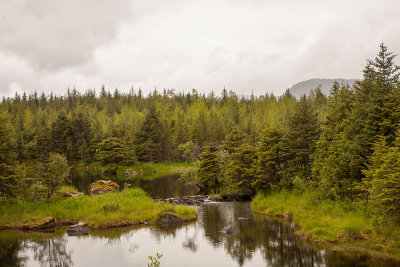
point(243, 45)
point(52, 35)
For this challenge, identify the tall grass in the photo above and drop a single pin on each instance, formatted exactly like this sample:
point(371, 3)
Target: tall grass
point(158, 167)
point(332, 221)
point(128, 205)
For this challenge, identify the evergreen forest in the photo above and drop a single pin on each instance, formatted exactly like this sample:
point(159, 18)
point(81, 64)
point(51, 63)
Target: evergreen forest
point(342, 146)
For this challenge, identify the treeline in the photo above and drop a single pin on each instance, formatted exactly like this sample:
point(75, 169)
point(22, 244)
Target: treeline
point(344, 145)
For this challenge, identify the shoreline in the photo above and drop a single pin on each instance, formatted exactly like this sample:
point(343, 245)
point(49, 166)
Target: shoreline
point(371, 243)
point(110, 210)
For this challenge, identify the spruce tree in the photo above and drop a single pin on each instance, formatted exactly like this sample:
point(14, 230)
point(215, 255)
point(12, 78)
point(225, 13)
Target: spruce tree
point(300, 139)
point(269, 164)
point(7, 157)
point(61, 135)
point(148, 140)
point(208, 171)
point(240, 172)
point(234, 140)
point(383, 179)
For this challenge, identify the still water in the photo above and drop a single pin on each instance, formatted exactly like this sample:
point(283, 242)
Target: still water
point(162, 187)
point(256, 241)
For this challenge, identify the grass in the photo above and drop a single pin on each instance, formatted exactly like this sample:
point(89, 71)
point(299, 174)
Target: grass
point(97, 211)
point(328, 221)
point(141, 170)
point(67, 189)
point(159, 167)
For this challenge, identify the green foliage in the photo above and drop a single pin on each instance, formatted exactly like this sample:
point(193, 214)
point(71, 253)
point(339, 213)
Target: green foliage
point(187, 151)
point(53, 173)
point(133, 206)
point(7, 157)
point(149, 140)
point(300, 139)
point(208, 171)
point(268, 165)
point(61, 135)
point(240, 172)
point(383, 179)
point(154, 261)
point(234, 140)
point(112, 151)
point(334, 221)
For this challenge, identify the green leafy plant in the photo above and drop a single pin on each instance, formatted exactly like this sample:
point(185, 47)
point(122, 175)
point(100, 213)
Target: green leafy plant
point(154, 261)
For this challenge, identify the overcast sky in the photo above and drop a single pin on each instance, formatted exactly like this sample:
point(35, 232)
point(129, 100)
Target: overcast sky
point(265, 46)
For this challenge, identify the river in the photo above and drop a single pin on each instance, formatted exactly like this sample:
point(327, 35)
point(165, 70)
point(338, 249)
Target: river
point(256, 241)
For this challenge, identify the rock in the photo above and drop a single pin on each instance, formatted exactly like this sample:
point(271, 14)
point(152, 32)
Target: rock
point(242, 218)
point(70, 194)
point(227, 230)
point(103, 186)
point(78, 229)
point(186, 200)
point(170, 221)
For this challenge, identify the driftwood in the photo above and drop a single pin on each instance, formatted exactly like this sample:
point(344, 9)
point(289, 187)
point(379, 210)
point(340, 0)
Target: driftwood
point(186, 200)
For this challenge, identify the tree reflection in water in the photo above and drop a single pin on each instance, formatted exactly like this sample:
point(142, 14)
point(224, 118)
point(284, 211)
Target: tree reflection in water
point(277, 241)
point(51, 252)
point(9, 253)
point(256, 241)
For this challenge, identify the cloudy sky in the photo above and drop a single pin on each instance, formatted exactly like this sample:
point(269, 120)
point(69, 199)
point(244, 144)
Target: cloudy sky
point(265, 46)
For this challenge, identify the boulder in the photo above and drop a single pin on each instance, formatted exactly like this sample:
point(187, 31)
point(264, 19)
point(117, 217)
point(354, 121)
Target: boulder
point(170, 221)
point(78, 229)
point(242, 218)
point(69, 194)
point(103, 186)
point(227, 230)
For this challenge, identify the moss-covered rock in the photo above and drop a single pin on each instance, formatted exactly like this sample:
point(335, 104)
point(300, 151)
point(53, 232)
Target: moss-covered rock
point(102, 187)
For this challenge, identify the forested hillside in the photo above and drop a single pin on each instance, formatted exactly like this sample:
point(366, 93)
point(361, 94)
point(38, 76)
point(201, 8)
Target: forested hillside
point(345, 146)
point(325, 85)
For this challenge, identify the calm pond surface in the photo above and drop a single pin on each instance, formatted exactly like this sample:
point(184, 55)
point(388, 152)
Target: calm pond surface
point(162, 187)
point(256, 241)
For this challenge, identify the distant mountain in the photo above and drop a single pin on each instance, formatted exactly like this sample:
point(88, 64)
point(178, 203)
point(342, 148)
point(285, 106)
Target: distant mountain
point(304, 87)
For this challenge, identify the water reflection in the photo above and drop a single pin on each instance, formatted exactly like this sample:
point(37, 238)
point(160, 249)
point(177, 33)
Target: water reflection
point(50, 252)
point(162, 187)
point(276, 241)
point(256, 241)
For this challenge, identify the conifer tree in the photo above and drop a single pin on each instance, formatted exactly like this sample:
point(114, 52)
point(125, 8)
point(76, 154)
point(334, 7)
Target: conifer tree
point(303, 133)
point(269, 164)
point(148, 140)
point(61, 135)
point(383, 179)
point(112, 151)
point(7, 157)
point(234, 140)
point(240, 172)
point(208, 172)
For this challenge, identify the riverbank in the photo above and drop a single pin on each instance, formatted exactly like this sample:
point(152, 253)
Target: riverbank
point(338, 224)
point(129, 207)
point(140, 170)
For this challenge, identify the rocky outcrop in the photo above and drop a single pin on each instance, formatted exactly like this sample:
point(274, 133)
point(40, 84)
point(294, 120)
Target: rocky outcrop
point(78, 229)
point(71, 194)
point(170, 221)
point(187, 200)
point(102, 187)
